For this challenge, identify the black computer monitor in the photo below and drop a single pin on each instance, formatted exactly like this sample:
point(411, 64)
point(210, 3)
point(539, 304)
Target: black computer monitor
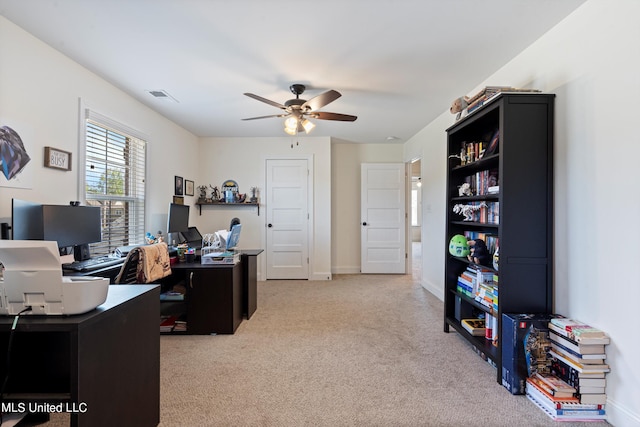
point(72, 225)
point(178, 220)
point(26, 220)
point(75, 226)
point(69, 226)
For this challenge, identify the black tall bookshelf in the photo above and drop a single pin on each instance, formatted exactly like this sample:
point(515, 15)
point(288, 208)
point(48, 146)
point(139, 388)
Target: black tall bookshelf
point(522, 160)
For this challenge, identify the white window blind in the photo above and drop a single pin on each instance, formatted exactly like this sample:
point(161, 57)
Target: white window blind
point(114, 180)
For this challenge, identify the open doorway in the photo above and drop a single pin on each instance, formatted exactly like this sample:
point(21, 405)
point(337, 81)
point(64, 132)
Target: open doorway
point(415, 225)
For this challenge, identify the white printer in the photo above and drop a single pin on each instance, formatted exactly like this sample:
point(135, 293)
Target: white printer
point(32, 277)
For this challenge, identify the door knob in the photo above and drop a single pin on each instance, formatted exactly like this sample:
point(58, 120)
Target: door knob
point(269, 225)
point(364, 223)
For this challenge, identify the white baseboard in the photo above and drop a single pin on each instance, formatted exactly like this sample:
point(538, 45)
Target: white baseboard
point(618, 415)
point(435, 290)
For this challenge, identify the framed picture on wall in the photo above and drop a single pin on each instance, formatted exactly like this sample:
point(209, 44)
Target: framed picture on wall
point(178, 182)
point(188, 188)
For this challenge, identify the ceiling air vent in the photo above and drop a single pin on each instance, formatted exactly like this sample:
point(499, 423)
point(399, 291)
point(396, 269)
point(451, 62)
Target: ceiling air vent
point(161, 94)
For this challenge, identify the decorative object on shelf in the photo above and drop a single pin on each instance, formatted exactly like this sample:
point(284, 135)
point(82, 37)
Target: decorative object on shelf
point(215, 194)
point(465, 190)
point(493, 144)
point(479, 253)
point(203, 193)
point(468, 210)
point(57, 159)
point(459, 246)
point(150, 239)
point(464, 105)
point(254, 195)
point(178, 184)
point(496, 258)
point(188, 188)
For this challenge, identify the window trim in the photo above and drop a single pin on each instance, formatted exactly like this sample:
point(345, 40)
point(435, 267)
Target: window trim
point(87, 113)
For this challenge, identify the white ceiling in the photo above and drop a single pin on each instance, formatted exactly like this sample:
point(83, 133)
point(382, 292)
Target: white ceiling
point(398, 64)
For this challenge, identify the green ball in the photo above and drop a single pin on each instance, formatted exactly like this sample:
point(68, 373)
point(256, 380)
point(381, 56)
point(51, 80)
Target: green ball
point(458, 246)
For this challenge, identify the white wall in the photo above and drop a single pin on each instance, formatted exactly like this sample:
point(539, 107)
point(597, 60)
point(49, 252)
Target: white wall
point(345, 175)
point(40, 92)
point(591, 61)
point(243, 160)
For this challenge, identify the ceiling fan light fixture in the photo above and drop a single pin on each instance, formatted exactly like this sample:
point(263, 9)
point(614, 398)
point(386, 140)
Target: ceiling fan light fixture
point(291, 126)
point(307, 125)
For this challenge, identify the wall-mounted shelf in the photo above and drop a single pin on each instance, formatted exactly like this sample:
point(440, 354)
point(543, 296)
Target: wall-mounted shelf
point(201, 204)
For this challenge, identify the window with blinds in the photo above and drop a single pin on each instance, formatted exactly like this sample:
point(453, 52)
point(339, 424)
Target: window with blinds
point(114, 180)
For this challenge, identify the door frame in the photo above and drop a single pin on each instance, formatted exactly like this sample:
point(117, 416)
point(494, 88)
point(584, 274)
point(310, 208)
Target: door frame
point(311, 209)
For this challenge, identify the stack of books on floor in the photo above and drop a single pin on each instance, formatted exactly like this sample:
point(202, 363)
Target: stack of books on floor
point(576, 382)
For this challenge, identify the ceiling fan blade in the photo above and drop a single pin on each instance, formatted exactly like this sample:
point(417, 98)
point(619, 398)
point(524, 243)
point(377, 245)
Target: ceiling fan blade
point(333, 116)
point(321, 100)
point(266, 101)
point(266, 117)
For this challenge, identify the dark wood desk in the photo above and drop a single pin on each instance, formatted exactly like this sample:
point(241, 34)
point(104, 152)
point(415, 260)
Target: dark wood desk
point(249, 280)
point(218, 295)
point(110, 272)
point(103, 366)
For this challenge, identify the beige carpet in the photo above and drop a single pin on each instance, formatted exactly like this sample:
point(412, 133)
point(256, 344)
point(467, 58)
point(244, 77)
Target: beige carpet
point(360, 350)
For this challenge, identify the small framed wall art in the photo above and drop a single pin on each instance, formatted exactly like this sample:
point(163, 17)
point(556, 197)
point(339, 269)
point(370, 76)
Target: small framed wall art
point(188, 187)
point(57, 159)
point(178, 182)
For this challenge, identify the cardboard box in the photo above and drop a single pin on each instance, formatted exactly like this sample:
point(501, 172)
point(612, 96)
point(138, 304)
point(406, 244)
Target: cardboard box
point(524, 345)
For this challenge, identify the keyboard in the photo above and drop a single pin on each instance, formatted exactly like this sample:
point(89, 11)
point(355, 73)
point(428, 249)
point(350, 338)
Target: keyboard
point(93, 263)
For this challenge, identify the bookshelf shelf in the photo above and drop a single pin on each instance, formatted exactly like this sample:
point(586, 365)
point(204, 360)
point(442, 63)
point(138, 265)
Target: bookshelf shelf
point(522, 165)
point(243, 204)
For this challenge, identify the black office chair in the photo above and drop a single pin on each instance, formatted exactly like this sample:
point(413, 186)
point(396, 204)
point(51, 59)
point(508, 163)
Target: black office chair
point(145, 264)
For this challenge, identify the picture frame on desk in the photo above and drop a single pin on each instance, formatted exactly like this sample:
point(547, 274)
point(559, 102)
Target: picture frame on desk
point(179, 185)
point(178, 200)
point(188, 188)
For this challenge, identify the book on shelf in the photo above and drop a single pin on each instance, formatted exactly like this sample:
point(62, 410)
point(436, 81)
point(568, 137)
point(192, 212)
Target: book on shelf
point(555, 403)
point(577, 365)
point(555, 383)
point(590, 390)
point(579, 331)
point(575, 378)
point(531, 383)
point(476, 327)
point(167, 323)
point(171, 296)
point(574, 346)
point(588, 359)
point(593, 398)
point(552, 386)
point(562, 414)
point(590, 341)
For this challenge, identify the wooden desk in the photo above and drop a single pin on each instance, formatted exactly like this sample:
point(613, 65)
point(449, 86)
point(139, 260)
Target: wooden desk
point(218, 295)
point(249, 280)
point(103, 366)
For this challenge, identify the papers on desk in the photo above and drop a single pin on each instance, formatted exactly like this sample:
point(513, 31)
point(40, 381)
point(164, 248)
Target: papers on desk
point(227, 257)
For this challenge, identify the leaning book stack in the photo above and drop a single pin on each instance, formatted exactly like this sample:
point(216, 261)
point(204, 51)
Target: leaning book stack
point(577, 355)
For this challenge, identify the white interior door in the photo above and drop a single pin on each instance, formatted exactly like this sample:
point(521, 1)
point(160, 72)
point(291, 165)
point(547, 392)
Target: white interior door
point(383, 218)
point(287, 253)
